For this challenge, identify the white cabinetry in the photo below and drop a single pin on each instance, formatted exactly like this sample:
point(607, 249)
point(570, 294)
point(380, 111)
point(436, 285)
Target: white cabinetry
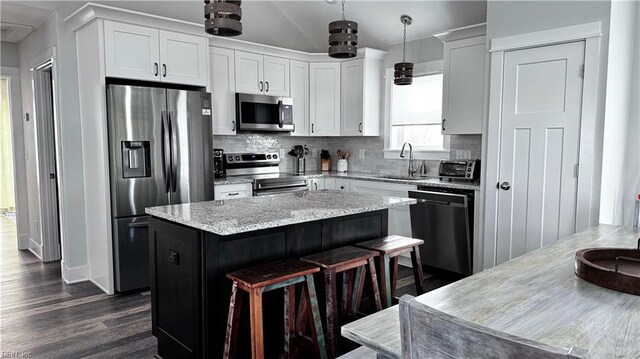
point(316, 184)
point(232, 191)
point(463, 90)
point(223, 91)
point(361, 90)
point(324, 97)
point(261, 75)
point(399, 218)
point(145, 53)
point(300, 94)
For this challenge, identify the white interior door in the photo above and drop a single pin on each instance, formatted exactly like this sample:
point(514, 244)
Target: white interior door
point(542, 95)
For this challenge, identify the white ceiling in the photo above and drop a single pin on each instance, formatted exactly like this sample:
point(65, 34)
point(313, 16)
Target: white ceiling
point(17, 21)
point(302, 24)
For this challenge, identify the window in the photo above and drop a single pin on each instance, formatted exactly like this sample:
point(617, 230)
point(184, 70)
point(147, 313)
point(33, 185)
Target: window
point(416, 114)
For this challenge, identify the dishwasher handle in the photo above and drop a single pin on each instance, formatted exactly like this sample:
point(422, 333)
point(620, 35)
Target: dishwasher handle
point(441, 198)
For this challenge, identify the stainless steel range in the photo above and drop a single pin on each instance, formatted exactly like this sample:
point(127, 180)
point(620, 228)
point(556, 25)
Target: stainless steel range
point(264, 169)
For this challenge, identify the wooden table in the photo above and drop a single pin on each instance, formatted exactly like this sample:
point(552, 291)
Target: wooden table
point(536, 296)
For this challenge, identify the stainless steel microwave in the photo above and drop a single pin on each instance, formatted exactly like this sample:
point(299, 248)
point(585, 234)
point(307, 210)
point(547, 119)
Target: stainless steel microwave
point(461, 170)
point(264, 113)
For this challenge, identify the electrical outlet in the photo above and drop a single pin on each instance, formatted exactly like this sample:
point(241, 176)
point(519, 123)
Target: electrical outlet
point(282, 153)
point(361, 153)
point(314, 152)
point(463, 154)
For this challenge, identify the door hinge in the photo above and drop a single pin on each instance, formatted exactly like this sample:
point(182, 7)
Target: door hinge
point(582, 71)
point(576, 170)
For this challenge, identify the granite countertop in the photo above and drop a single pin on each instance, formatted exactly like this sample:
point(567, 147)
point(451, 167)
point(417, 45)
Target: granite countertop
point(363, 176)
point(536, 296)
point(256, 213)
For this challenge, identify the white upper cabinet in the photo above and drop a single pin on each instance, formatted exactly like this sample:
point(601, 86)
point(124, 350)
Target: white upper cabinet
point(131, 51)
point(261, 75)
point(223, 91)
point(324, 98)
point(300, 94)
point(463, 91)
point(145, 53)
point(183, 58)
point(249, 73)
point(361, 97)
point(276, 76)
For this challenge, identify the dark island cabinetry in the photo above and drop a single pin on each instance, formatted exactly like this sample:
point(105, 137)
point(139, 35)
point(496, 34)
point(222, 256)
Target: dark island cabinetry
point(190, 293)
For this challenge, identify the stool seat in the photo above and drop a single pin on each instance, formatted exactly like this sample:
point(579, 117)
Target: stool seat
point(271, 273)
point(391, 244)
point(341, 258)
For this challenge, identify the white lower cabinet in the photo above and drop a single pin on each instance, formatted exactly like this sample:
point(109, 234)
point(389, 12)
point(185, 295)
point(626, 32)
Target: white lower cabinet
point(316, 184)
point(343, 184)
point(232, 191)
point(399, 218)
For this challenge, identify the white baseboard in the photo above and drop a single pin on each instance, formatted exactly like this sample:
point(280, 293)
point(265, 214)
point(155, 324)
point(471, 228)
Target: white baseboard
point(23, 241)
point(35, 248)
point(72, 275)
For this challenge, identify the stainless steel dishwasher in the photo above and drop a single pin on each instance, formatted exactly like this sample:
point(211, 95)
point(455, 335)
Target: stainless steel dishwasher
point(443, 218)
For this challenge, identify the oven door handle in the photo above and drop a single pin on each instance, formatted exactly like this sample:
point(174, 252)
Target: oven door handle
point(260, 186)
point(281, 190)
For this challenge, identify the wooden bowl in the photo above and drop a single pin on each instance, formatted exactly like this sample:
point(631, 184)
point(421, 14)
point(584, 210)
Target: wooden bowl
point(598, 266)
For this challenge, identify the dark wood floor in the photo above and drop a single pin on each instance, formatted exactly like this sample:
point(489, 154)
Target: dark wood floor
point(43, 317)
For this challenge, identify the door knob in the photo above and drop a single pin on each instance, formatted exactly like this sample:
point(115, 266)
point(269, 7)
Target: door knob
point(504, 186)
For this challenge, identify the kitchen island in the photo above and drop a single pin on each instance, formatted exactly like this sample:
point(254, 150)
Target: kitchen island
point(194, 245)
point(536, 296)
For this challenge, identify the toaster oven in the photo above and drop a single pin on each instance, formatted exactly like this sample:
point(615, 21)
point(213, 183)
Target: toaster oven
point(468, 170)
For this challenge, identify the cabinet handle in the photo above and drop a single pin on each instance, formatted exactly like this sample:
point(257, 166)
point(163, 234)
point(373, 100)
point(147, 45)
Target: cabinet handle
point(234, 126)
point(261, 86)
point(164, 70)
point(316, 185)
point(360, 127)
point(444, 119)
point(267, 86)
point(312, 128)
point(341, 187)
point(155, 69)
point(233, 194)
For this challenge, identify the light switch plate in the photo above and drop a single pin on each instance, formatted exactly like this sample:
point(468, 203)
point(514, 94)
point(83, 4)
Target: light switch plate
point(361, 153)
point(463, 154)
point(282, 153)
point(314, 152)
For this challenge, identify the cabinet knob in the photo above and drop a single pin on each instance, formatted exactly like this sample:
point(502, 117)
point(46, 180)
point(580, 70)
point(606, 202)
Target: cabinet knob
point(233, 129)
point(360, 127)
point(443, 120)
point(261, 86)
point(155, 69)
point(267, 90)
point(164, 70)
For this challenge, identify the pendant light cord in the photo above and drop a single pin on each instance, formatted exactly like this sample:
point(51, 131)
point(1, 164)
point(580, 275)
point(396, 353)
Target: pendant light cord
point(404, 42)
point(342, 10)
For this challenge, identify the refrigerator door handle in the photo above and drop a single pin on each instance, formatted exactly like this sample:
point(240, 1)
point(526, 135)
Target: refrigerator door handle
point(166, 160)
point(174, 154)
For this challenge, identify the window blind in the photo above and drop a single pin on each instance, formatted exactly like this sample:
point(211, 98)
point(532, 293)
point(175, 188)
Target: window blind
point(419, 103)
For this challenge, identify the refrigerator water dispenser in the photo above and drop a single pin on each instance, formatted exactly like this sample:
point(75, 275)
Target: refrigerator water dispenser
point(135, 159)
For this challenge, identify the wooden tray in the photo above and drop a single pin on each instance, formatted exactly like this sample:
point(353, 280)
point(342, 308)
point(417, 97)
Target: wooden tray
point(613, 268)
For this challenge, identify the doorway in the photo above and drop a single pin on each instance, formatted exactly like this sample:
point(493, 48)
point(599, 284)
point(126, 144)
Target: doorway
point(7, 181)
point(47, 160)
point(540, 139)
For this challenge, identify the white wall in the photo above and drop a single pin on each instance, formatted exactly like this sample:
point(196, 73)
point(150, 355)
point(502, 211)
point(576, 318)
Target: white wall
point(423, 50)
point(621, 154)
point(9, 54)
point(54, 33)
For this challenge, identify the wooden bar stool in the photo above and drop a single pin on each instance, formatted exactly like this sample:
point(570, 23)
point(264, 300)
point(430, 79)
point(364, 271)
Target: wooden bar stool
point(390, 248)
point(345, 259)
point(267, 277)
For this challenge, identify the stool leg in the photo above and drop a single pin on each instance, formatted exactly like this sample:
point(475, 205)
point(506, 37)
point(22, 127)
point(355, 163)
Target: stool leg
point(394, 277)
point(257, 337)
point(347, 290)
point(383, 261)
point(374, 284)
point(418, 275)
point(289, 318)
point(303, 315)
point(235, 305)
point(332, 311)
point(316, 325)
point(361, 273)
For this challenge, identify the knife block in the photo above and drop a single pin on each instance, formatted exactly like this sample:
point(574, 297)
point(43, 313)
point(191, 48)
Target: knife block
point(325, 165)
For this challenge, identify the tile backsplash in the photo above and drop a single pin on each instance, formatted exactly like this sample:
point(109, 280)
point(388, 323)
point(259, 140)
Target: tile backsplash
point(372, 147)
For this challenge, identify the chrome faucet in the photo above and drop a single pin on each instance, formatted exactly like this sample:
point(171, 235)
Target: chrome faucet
point(411, 169)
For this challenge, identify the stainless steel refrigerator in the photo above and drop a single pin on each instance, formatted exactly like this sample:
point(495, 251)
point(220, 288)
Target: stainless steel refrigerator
point(160, 149)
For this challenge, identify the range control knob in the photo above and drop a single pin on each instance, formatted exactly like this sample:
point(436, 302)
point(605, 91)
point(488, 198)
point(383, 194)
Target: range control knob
point(268, 157)
point(230, 158)
point(237, 158)
point(275, 157)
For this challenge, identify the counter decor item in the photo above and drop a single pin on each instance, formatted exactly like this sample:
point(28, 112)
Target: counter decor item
point(299, 152)
point(612, 268)
point(343, 165)
point(325, 161)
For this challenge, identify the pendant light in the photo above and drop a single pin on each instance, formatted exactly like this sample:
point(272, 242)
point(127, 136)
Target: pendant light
point(343, 38)
point(403, 71)
point(223, 17)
